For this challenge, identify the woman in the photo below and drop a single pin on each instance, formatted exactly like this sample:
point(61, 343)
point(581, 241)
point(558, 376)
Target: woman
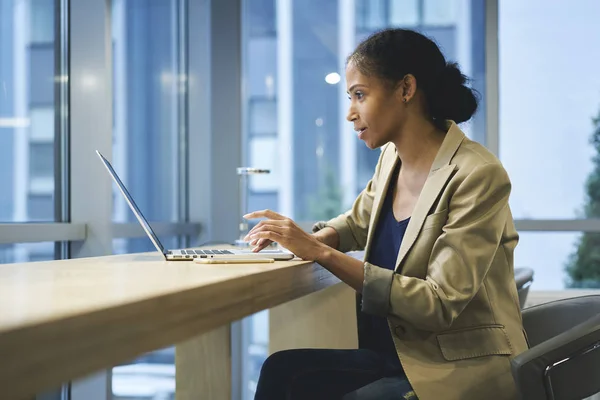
point(438, 290)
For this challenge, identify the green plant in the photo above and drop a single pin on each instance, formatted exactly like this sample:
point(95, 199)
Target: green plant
point(583, 265)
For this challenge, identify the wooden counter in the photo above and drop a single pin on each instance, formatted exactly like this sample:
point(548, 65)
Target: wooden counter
point(60, 320)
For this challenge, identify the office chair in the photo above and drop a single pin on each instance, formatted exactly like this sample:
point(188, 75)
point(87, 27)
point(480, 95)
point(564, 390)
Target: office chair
point(523, 279)
point(563, 360)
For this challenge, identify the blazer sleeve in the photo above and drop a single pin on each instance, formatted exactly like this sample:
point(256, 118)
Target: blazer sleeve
point(460, 259)
point(352, 226)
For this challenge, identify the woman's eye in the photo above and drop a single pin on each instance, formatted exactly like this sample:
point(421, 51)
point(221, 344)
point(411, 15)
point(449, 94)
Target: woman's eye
point(358, 95)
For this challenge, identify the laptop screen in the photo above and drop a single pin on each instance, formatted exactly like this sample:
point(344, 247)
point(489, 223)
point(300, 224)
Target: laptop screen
point(132, 205)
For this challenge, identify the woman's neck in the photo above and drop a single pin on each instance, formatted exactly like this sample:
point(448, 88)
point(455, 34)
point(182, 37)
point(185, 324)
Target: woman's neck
point(418, 144)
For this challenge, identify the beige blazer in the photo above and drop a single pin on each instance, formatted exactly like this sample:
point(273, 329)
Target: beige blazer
point(452, 307)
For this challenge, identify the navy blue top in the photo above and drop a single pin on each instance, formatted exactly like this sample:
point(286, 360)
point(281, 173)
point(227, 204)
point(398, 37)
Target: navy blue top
point(383, 253)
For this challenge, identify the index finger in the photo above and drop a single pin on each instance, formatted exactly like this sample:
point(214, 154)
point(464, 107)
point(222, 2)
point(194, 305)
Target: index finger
point(264, 214)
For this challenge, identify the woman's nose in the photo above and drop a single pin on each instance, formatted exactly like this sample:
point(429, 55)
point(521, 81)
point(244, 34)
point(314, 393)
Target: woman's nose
point(351, 116)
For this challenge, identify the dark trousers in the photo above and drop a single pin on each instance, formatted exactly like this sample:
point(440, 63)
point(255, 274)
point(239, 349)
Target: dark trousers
point(315, 374)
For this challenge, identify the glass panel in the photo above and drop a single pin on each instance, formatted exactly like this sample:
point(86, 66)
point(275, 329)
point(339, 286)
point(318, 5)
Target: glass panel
point(146, 145)
point(41, 160)
point(263, 114)
point(42, 124)
point(143, 244)
point(328, 164)
point(26, 252)
point(256, 331)
point(27, 110)
point(439, 12)
point(260, 15)
point(560, 259)
point(42, 20)
point(264, 155)
point(151, 376)
point(545, 130)
point(370, 14)
point(146, 123)
point(404, 13)
point(39, 205)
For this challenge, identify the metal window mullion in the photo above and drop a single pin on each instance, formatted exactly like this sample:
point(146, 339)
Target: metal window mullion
point(90, 119)
point(558, 225)
point(492, 80)
point(134, 230)
point(41, 232)
point(183, 135)
point(61, 122)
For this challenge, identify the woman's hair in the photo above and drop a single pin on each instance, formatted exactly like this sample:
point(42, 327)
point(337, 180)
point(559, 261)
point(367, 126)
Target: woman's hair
point(391, 54)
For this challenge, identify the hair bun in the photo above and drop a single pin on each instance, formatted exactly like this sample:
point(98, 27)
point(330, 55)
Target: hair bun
point(451, 76)
point(452, 99)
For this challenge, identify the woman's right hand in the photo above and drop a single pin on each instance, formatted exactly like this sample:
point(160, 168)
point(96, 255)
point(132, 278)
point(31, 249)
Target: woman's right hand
point(327, 235)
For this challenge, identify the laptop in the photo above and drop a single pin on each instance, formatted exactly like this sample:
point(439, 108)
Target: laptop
point(189, 254)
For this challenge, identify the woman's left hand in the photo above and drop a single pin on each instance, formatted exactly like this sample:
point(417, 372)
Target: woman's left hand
point(284, 231)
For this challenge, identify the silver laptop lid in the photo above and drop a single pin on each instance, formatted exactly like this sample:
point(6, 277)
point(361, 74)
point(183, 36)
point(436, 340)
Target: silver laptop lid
point(132, 205)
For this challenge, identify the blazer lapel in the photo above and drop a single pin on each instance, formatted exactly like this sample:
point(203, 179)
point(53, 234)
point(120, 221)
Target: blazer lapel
point(440, 172)
point(433, 186)
point(381, 190)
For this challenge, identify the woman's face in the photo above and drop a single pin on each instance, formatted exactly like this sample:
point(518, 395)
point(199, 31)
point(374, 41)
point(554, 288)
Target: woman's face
point(375, 109)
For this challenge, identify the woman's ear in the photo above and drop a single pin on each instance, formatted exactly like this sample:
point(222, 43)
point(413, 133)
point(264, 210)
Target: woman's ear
point(407, 88)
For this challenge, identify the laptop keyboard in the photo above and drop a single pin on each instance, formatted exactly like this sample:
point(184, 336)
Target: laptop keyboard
point(201, 252)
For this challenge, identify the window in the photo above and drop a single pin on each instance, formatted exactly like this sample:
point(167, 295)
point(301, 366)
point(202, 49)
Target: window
point(562, 252)
point(371, 14)
point(143, 244)
point(378, 14)
point(325, 163)
point(27, 54)
point(264, 155)
point(42, 20)
point(545, 131)
point(26, 252)
point(148, 138)
point(151, 376)
point(404, 13)
point(147, 125)
point(549, 139)
point(439, 12)
point(41, 157)
point(263, 117)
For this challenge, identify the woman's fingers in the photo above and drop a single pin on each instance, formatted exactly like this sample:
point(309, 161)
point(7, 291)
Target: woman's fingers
point(265, 226)
point(261, 244)
point(264, 214)
point(265, 222)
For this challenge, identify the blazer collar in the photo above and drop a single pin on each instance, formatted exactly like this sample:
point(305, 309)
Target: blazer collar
point(452, 141)
point(440, 172)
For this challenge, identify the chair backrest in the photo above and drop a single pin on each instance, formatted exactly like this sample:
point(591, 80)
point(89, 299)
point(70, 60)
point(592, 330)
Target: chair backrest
point(523, 279)
point(547, 320)
point(564, 355)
